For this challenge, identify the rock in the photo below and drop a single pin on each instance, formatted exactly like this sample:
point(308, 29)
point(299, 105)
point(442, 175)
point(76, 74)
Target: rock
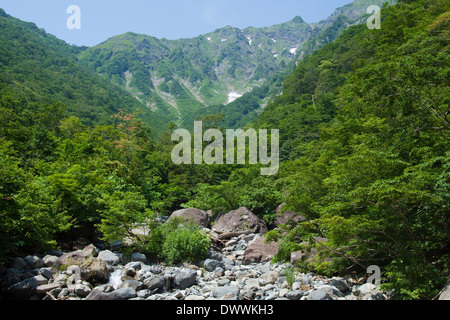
point(137, 285)
point(211, 265)
point(259, 252)
point(155, 282)
point(10, 278)
point(325, 292)
point(226, 292)
point(135, 265)
point(18, 263)
point(185, 279)
point(340, 284)
point(81, 290)
point(119, 294)
point(43, 289)
point(445, 295)
point(95, 269)
point(200, 217)
point(90, 251)
point(34, 261)
point(46, 272)
point(26, 288)
point(251, 284)
point(49, 260)
point(238, 220)
point(109, 257)
point(77, 257)
point(144, 293)
point(295, 294)
point(367, 289)
point(138, 257)
point(270, 278)
point(56, 253)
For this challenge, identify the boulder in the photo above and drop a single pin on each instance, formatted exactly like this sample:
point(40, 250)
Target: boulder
point(155, 282)
point(77, 257)
point(109, 257)
point(138, 257)
point(46, 272)
point(34, 261)
point(200, 217)
point(295, 294)
point(26, 288)
point(49, 260)
point(286, 216)
point(239, 220)
point(211, 264)
point(185, 279)
point(82, 290)
point(226, 292)
point(260, 252)
point(325, 292)
point(43, 289)
point(137, 285)
point(94, 269)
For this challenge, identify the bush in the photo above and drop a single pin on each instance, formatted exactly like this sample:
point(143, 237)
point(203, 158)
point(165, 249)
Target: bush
point(185, 244)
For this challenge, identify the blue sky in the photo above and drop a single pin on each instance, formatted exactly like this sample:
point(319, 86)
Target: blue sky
point(171, 19)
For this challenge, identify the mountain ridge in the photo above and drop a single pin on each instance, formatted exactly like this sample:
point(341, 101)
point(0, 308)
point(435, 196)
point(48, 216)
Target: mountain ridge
point(179, 79)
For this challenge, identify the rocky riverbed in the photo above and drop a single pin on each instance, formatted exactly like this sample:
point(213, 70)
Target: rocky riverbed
point(238, 267)
point(94, 274)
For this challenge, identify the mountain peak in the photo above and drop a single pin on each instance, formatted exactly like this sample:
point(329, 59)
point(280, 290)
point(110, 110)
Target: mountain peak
point(297, 19)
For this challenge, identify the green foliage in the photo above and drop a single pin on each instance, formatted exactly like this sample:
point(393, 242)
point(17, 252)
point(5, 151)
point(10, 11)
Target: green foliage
point(184, 243)
point(289, 272)
point(365, 149)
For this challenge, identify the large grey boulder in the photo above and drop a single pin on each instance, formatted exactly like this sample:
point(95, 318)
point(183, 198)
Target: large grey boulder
point(34, 261)
point(26, 288)
point(185, 279)
point(239, 220)
point(211, 264)
point(155, 282)
point(200, 217)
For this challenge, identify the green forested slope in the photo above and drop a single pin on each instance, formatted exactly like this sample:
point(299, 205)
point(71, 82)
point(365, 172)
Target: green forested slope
point(38, 67)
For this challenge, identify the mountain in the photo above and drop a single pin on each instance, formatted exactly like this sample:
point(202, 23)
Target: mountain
point(181, 79)
point(37, 67)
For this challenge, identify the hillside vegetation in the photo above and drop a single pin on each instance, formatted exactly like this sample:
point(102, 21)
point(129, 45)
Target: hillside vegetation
point(364, 149)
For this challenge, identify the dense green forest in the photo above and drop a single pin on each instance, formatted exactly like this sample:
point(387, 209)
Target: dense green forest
point(364, 150)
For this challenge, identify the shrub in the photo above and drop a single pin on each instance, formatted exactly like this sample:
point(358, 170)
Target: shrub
point(184, 244)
